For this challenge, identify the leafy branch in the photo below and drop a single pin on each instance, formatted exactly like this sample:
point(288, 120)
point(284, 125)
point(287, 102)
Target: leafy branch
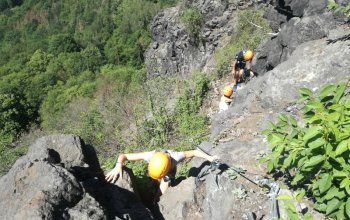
point(316, 155)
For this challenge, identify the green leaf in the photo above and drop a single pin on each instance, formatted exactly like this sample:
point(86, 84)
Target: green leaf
point(315, 104)
point(340, 195)
point(345, 135)
point(338, 174)
point(342, 147)
point(283, 117)
point(339, 93)
point(270, 166)
point(299, 195)
point(279, 149)
point(266, 132)
point(294, 133)
point(347, 189)
point(336, 107)
point(316, 119)
point(346, 112)
point(336, 132)
point(271, 125)
point(321, 207)
point(291, 211)
point(313, 161)
point(340, 160)
point(287, 162)
point(334, 116)
point(281, 124)
point(303, 98)
point(332, 206)
point(329, 149)
point(306, 109)
point(302, 161)
point(325, 182)
point(284, 197)
point(264, 159)
point(312, 132)
point(331, 193)
point(305, 92)
point(308, 216)
point(339, 214)
point(293, 121)
point(347, 103)
point(327, 90)
point(347, 208)
point(317, 143)
point(297, 179)
point(275, 138)
point(344, 182)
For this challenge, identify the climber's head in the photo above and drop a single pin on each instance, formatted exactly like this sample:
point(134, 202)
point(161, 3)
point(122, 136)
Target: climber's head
point(248, 55)
point(159, 165)
point(228, 91)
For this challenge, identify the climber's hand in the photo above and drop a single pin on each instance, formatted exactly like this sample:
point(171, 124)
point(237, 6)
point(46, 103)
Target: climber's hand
point(113, 175)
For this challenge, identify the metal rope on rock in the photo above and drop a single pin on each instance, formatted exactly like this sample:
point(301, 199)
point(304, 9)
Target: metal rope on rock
point(264, 183)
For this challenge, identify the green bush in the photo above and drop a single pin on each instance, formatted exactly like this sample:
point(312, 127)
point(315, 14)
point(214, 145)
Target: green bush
point(179, 127)
point(62, 94)
point(332, 5)
point(316, 155)
point(193, 20)
point(190, 123)
point(62, 43)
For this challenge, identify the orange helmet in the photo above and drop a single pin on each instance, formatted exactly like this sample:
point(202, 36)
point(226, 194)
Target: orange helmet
point(228, 91)
point(159, 165)
point(248, 55)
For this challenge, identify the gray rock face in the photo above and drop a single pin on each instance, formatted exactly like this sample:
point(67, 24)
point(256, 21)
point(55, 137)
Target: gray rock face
point(295, 32)
point(174, 50)
point(294, 22)
point(302, 8)
point(60, 178)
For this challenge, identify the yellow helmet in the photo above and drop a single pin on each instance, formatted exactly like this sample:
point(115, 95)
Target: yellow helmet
point(248, 55)
point(159, 165)
point(228, 91)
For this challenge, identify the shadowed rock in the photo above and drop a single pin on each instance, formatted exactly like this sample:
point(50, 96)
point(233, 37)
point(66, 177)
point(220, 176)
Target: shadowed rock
point(60, 178)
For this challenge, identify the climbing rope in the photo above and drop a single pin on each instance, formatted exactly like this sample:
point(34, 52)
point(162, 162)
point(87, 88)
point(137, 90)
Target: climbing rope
point(264, 183)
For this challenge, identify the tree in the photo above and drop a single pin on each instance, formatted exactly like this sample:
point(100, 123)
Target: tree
point(62, 43)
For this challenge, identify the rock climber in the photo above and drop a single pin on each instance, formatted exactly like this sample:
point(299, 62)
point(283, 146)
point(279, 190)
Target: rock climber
point(240, 63)
point(225, 99)
point(161, 165)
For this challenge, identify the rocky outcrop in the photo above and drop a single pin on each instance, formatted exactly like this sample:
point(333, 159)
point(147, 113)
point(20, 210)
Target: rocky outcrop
point(60, 178)
point(175, 50)
point(294, 23)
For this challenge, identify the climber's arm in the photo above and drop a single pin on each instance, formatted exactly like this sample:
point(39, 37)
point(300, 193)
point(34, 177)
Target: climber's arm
point(113, 175)
point(198, 153)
